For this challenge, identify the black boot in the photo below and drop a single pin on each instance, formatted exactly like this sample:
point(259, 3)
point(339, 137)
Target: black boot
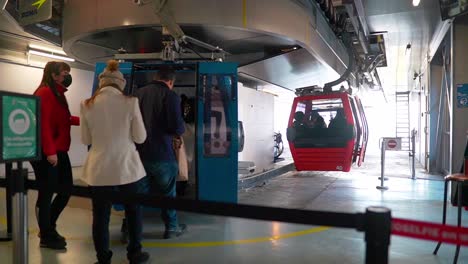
point(50, 240)
point(138, 258)
point(106, 259)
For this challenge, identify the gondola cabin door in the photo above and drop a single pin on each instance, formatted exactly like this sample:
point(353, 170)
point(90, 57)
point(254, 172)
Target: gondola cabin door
point(217, 140)
point(215, 151)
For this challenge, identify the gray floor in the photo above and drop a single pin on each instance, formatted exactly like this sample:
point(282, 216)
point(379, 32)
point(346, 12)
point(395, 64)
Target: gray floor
point(233, 240)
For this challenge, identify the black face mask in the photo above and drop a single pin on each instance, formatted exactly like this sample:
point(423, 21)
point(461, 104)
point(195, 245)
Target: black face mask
point(67, 80)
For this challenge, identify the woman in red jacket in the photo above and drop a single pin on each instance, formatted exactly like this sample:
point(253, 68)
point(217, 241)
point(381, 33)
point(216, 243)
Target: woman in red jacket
point(54, 171)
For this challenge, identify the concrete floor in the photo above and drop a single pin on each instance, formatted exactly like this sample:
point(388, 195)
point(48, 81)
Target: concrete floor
point(233, 240)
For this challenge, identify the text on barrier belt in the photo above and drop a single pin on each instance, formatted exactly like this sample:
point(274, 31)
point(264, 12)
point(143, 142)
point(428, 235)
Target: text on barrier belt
point(430, 231)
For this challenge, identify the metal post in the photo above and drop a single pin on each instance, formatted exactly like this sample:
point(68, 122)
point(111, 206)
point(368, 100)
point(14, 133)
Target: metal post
point(7, 237)
point(8, 170)
point(382, 166)
point(20, 216)
point(413, 154)
point(459, 218)
point(377, 228)
point(444, 214)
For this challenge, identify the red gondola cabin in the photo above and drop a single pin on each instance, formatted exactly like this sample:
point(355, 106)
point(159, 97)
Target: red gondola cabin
point(327, 131)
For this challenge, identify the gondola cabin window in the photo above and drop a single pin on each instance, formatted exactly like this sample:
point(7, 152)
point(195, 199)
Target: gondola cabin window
point(321, 123)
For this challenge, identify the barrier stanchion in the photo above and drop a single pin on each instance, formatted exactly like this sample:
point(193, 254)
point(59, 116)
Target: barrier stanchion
point(8, 170)
point(388, 144)
point(382, 167)
point(377, 228)
point(413, 154)
point(8, 179)
point(20, 215)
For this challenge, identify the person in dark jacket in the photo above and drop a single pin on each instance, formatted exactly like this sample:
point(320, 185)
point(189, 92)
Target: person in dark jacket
point(339, 122)
point(316, 120)
point(161, 112)
point(53, 172)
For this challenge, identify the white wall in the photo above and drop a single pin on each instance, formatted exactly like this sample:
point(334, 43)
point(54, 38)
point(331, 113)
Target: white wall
point(283, 104)
point(23, 79)
point(256, 110)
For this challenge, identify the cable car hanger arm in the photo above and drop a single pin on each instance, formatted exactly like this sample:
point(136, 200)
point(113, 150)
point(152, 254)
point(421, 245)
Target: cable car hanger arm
point(162, 10)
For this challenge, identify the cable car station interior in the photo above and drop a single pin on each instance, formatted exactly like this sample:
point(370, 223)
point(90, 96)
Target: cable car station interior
point(316, 131)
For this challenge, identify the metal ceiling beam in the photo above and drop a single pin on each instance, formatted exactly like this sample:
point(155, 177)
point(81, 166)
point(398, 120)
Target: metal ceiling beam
point(439, 34)
point(3, 4)
point(355, 10)
point(361, 14)
point(20, 37)
point(158, 56)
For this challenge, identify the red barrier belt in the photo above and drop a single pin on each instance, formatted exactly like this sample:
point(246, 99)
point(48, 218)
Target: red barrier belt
point(430, 231)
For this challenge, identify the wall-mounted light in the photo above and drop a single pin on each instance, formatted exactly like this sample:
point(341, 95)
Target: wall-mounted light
point(269, 92)
point(416, 2)
point(48, 52)
point(45, 54)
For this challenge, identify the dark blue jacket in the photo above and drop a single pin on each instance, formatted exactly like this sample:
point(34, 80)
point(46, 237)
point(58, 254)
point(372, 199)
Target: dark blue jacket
point(160, 109)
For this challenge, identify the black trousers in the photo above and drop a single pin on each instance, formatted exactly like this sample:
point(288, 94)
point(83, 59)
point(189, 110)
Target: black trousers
point(101, 216)
point(51, 179)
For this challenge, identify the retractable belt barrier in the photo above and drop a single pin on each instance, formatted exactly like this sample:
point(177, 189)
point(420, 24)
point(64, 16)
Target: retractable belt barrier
point(295, 216)
point(375, 222)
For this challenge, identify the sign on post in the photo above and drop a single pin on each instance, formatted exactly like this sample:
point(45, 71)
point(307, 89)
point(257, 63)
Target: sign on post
point(34, 11)
point(392, 143)
point(462, 95)
point(388, 143)
point(20, 138)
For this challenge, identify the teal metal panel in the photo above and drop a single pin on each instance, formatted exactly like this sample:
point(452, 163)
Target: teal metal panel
point(217, 138)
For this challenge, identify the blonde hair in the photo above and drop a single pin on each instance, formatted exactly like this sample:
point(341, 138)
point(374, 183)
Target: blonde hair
point(112, 65)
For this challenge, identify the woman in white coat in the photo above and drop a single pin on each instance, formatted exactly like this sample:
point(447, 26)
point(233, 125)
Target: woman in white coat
point(112, 124)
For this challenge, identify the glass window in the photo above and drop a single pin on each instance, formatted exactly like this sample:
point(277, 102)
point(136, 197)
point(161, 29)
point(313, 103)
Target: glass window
point(319, 112)
point(216, 123)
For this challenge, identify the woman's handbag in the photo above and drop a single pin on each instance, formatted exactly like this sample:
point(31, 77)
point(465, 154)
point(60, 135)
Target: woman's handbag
point(181, 156)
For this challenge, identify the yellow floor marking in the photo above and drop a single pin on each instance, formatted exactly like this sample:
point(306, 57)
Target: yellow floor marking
point(237, 242)
point(208, 243)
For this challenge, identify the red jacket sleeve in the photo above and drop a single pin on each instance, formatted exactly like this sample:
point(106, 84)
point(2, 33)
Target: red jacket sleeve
point(75, 120)
point(48, 145)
